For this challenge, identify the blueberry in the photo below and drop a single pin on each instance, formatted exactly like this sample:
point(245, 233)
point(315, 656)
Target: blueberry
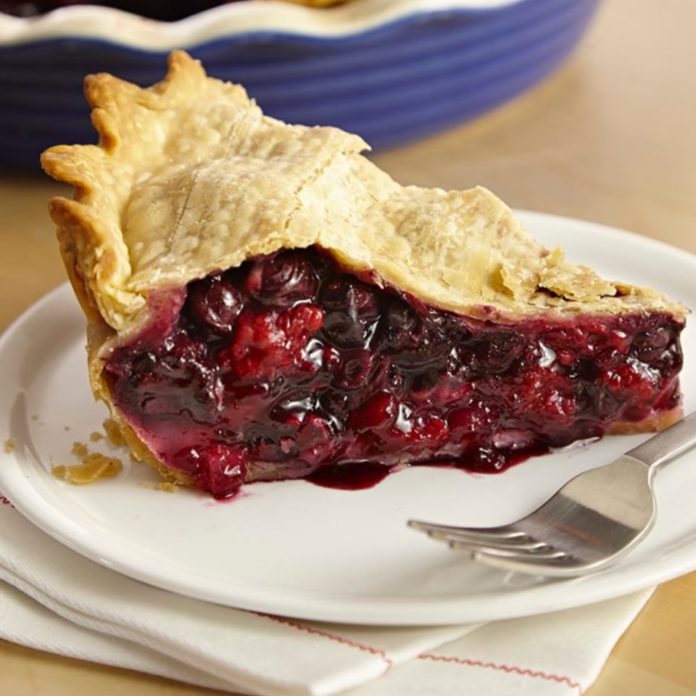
point(351, 311)
point(496, 352)
point(181, 362)
point(354, 370)
point(282, 280)
point(214, 302)
point(399, 326)
point(347, 294)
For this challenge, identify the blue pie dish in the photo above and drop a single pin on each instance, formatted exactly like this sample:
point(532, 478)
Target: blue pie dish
point(390, 70)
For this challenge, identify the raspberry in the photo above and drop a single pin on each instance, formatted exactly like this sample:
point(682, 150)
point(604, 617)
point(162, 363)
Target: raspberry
point(222, 469)
point(476, 418)
point(429, 429)
point(269, 341)
point(217, 468)
point(633, 378)
point(378, 411)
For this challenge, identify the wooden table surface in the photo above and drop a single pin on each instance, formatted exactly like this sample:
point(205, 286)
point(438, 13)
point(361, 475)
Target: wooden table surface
point(611, 137)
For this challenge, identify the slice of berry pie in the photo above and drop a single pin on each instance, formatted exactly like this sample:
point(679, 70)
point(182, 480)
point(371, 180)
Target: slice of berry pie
point(263, 302)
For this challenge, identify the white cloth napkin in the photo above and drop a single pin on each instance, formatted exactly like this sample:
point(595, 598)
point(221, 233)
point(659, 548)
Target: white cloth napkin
point(55, 600)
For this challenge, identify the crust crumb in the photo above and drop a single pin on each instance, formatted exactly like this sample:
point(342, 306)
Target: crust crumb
point(10, 445)
point(113, 433)
point(95, 437)
point(93, 466)
point(79, 449)
point(164, 486)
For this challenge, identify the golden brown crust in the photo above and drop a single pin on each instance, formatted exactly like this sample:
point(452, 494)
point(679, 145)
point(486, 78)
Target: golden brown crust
point(98, 336)
point(190, 177)
point(657, 422)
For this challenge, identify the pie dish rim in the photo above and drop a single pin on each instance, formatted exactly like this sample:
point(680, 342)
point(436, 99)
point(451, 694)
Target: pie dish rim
point(230, 20)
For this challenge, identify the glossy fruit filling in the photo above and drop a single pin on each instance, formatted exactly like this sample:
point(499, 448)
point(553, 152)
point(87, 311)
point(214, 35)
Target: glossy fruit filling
point(290, 367)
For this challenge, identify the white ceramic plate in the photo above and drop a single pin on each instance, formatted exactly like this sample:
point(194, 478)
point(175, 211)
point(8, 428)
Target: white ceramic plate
point(296, 549)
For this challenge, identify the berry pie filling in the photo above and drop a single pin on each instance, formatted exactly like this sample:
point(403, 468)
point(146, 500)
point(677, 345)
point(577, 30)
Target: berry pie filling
point(289, 366)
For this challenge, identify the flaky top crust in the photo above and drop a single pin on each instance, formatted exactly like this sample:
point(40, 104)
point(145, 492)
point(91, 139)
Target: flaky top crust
point(189, 177)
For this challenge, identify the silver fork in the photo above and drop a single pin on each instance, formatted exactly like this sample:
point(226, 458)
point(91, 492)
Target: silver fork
point(588, 524)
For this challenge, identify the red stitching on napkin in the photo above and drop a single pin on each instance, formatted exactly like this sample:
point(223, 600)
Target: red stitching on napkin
point(510, 669)
point(331, 636)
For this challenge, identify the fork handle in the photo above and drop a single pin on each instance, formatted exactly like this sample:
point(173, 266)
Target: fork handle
point(667, 445)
